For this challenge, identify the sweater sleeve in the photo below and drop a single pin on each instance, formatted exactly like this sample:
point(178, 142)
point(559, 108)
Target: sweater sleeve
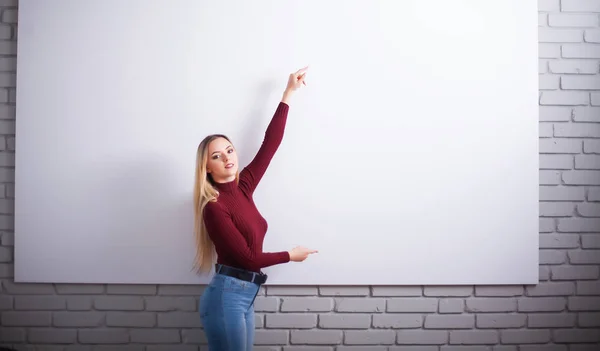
point(228, 238)
point(251, 175)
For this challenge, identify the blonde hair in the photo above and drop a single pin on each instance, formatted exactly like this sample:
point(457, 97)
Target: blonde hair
point(204, 192)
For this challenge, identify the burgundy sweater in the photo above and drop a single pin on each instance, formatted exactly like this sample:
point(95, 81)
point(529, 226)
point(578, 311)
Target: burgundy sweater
point(233, 222)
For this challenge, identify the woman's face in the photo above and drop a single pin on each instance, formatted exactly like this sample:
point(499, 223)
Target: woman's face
point(222, 163)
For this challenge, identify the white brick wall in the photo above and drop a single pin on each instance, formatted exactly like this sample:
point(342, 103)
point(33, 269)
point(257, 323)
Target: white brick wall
point(562, 313)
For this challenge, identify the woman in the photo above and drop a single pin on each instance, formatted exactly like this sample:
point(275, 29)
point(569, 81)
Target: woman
point(228, 224)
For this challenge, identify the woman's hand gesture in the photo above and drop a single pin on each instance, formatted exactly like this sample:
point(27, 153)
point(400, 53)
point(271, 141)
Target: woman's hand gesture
point(295, 81)
point(299, 253)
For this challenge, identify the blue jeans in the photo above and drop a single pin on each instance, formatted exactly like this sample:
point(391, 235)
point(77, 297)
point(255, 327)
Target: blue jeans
point(227, 312)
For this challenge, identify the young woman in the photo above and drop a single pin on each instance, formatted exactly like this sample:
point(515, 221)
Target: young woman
point(228, 225)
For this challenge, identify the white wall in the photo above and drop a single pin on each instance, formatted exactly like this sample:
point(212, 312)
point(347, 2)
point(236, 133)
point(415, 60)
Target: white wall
point(411, 157)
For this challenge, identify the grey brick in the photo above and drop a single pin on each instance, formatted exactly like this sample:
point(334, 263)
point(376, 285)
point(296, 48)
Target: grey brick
point(350, 321)
point(552, 257)
point(588, 288)
point(271, 337)
point(587, 319)
point(575, 272)
point(344, 291)
point(370, 337)
point(451, 306)
point(573, 67)
point(570, 225)
point(579, 82)
point(155, 336)
point(525, 336)
point(552, 35)
point(410, 305)
point(26, 319)
point(40, 303)
point(79, 303)
point(586, 114)
point(397, 291)
point(561, 193)
point(579, 6)
point(315, 348)
point(6, 303)
point(546, 130)
point(576, 335)
point(179, 320)
point(266, 304)
point(595, 97)
point(498, 290)
point(360, 348)
point(564, 98)
point(292, 291)
point(291, 320)
point(422, 337)
point(128, 289)
point(551, 289)
point(561, 146)
point(397, 321)
point(588, 209)
point(131, 319)
point(558, 241)
point(583, 51)
point(16, 335)
point(195, 336)
point(13, 288)
point(181, 290)
point(167, 303)
point(550, 177)
point(491, 304)
point(501, 321)
point(449, 321)
point(591, 36)
point(590, 241)
point(78, 319)
point(171, 348)
point(551, 320)
point(587, 162)
point(549, 51)
point(448, 291)
point(52, 336)
point(548, 82)
point(413, 348)
point(359, 305)
point(543, 347)
point(593, 194)
point(470, 337)
point(548, 5)
point(79, 289)
point(103, 336)
point(547, 225)
point(115, 303)
point(584, 257)
point(590, 146)
point(572, 20)
point(584, 303)
point(316, 337)
point(293, 304)
point(541, 304)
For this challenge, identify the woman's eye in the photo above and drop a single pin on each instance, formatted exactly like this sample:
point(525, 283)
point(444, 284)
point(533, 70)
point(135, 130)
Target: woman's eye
point(230, 150)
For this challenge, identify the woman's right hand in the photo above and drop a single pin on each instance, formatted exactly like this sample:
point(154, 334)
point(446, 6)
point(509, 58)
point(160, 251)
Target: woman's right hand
point(299, 253)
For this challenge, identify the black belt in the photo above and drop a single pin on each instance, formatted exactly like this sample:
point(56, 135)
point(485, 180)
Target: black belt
point(252, 277)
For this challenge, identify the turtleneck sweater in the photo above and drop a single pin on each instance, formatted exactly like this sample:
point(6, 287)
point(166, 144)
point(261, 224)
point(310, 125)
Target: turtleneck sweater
point(233, 222)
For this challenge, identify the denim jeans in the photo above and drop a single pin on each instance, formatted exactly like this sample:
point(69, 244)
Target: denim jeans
point(227, 313)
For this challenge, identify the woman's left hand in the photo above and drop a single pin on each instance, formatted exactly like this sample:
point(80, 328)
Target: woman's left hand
point(297, 79)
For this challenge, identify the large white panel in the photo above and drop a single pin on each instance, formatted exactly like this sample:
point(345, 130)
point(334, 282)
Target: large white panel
point(410, 158)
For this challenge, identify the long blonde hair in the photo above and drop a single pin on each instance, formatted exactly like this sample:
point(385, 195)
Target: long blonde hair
point(204, 192)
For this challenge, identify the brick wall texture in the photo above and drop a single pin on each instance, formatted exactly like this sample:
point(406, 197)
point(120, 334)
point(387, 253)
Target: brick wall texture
point(562, 313)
